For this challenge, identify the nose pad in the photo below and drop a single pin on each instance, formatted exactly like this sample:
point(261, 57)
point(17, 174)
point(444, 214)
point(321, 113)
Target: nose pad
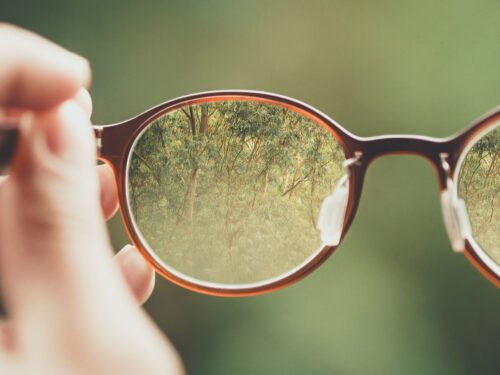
point(455, 217)
point(332, 213)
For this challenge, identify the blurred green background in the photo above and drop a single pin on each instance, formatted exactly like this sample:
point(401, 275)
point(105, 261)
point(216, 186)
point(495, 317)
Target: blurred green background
point(394, 299)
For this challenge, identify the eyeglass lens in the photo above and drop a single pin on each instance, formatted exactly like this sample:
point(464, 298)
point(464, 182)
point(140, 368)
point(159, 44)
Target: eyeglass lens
point(229, 191)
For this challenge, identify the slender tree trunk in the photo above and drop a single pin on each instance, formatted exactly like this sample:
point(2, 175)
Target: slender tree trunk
point(204, 120)
point(192, 121)
point(491, 167)
point(296, 174)
point(286, 177)
point(193, 182)
point(312, 203)
point(266, 182)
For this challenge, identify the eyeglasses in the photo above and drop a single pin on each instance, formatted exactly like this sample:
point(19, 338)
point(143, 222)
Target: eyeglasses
point(236, 193)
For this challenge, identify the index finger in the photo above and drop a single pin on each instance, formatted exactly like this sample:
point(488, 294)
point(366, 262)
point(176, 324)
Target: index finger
point(35, 73)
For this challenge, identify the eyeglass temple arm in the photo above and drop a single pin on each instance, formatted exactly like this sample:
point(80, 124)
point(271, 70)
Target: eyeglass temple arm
point(9, 135)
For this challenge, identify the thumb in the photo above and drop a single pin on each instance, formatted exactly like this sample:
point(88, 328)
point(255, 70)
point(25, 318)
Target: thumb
point(55, 258)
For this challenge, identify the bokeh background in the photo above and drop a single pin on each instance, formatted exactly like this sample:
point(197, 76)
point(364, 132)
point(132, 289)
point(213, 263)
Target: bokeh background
point(393, 299)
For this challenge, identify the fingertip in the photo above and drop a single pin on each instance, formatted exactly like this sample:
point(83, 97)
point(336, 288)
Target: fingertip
point(109, 191)
point(84, 99)
point(69, 135)
point(86, 71)
point(138, 274)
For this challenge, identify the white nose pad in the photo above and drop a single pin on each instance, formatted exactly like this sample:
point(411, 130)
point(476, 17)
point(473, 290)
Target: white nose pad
point(332, 213)
point(455, 216)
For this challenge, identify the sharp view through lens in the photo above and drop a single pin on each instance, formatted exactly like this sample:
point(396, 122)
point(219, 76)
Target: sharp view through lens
point(479, 186)
point(229, 191)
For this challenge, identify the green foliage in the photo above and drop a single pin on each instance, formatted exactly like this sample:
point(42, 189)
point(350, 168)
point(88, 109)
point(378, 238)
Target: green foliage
point(229, 191)
point(479, 186)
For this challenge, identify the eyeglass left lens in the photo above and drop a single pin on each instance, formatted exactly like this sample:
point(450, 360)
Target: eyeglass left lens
point(228, 192)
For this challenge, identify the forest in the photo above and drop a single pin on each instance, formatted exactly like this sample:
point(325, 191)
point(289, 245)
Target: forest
point(229, 191)
point(479, 186)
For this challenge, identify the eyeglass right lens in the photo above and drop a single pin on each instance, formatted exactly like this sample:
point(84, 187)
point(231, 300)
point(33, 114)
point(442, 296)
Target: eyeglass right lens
point(479, 187)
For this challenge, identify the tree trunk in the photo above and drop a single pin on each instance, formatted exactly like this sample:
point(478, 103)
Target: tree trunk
point(491, 167)
point(192, 121)
point(191, 195)
point(296, 174)
point(265, 187)
point(204, 120)
point(286, 177)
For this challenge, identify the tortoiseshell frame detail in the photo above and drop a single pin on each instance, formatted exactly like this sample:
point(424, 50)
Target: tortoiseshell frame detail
point(116, 140)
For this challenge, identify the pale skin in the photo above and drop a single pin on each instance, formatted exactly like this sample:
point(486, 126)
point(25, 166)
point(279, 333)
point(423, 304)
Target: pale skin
point(71, 307)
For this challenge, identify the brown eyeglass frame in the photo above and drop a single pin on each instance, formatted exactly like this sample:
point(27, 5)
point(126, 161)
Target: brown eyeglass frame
point(115, 141)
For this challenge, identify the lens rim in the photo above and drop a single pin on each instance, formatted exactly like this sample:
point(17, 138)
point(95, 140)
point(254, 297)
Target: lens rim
point(316, 259)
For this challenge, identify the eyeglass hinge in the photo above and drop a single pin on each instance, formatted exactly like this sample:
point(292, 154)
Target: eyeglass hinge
point(443, 156)
point(354, 161)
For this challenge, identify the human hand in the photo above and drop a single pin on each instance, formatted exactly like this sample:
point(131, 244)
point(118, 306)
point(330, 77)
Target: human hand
point(71, 308)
